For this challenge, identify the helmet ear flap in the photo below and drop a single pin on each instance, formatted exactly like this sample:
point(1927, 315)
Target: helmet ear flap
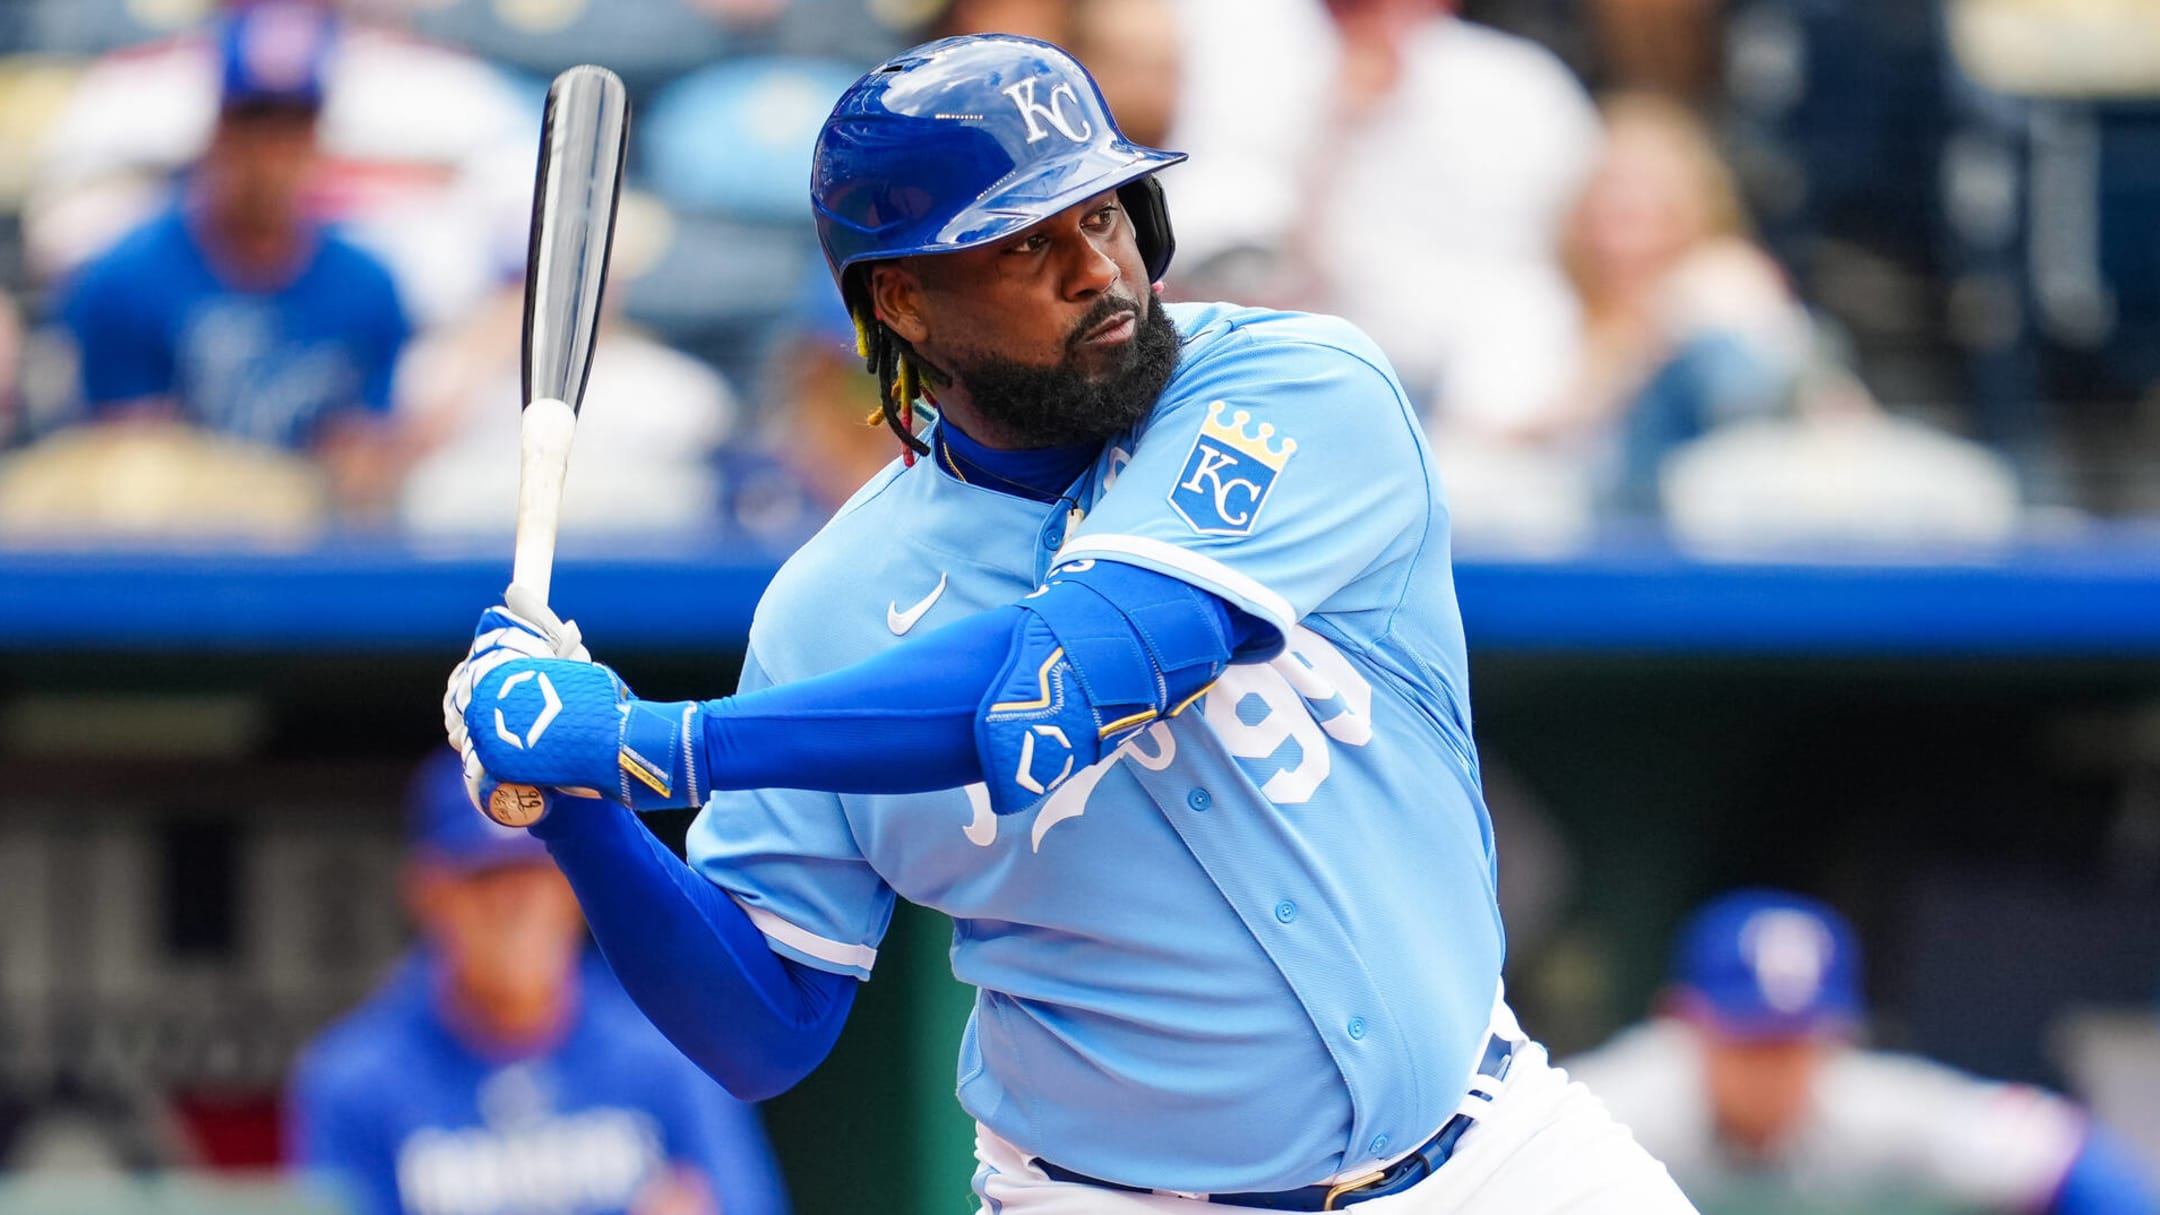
point(1150, 215)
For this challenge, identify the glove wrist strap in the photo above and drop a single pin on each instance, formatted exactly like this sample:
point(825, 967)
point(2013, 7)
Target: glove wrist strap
point(662, 759)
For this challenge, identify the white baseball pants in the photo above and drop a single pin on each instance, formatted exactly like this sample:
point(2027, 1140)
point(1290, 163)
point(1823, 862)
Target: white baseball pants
point(1545, 1146)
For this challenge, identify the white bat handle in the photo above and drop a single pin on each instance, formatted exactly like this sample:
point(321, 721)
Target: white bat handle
point(544, 442)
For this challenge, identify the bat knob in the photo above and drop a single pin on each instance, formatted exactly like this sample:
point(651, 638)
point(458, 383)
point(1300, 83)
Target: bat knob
point(516, 805)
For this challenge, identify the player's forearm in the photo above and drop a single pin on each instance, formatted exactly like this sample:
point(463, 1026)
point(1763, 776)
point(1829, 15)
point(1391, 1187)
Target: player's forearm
point(900, 722)
point(1019, 697)
point(692, 960)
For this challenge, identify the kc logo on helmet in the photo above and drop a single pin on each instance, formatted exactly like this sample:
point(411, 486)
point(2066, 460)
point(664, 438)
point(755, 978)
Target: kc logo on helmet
point(1023, 96)
point(1228, 474)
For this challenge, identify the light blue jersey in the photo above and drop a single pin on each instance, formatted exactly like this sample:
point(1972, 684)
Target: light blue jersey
point(1259, 945)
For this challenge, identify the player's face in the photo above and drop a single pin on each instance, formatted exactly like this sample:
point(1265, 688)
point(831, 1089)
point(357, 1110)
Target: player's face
point(509, 935)
point(1759, 1089)
point(260, 159)
point(1050, 336)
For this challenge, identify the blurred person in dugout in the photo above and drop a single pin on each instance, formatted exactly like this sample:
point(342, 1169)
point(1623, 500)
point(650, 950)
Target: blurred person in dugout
point(1694, 384)
point(500, 1070)
point(1751, 1086)
point(236, 314)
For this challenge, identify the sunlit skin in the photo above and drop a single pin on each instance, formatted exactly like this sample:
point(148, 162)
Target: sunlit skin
point(1131, 47)
point(1759, 1088)
point(1073, 284)
point(508, 938)
point(1641, 213)
point(252, 179)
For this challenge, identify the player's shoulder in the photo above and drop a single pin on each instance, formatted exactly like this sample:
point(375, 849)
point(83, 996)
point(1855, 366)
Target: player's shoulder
point(1654, 1050)
point(143, 255)
point(347, 265)
point(1880, 1079)
point(859, 536)
point(1230, 352)
point(1210, 331)
point(855, 532)
point(376, 1040)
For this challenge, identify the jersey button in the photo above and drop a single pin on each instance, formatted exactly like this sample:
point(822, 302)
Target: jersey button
point(1198, 799)
point(1379, 1146)
point(1053, 538)
point(1357, 1029)
point(1286, 911)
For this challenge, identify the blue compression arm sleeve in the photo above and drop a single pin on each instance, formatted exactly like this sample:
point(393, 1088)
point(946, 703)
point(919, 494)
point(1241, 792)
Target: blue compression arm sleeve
point(904, 720)
point(2105, 1179)
point(693, 962)
point(901, 722)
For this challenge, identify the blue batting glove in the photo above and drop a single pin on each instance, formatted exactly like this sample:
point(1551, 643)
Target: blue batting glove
point(521, 627)
point(576, 727)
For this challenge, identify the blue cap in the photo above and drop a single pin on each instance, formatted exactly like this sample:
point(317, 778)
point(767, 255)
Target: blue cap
point(1768, 964)
point(273, 52)
point(441, 825)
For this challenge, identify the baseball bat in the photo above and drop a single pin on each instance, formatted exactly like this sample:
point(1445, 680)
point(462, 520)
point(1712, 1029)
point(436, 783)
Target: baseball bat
point(584, 131)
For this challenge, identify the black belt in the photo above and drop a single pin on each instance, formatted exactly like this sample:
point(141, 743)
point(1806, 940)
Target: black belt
point(1397, 1177)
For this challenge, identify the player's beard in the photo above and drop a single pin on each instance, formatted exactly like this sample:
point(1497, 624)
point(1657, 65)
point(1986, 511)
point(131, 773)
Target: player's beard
point(1033, 407)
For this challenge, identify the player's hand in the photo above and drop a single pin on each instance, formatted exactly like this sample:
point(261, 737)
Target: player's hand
point(521, 627)
point(575, 727)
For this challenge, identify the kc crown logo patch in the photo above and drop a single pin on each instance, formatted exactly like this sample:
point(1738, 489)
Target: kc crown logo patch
point(1229, 473)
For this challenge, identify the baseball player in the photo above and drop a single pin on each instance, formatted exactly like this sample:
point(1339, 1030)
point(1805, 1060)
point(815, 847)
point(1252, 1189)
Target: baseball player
point(500, 1072)
point(1751, 1084)
point(1144, 666)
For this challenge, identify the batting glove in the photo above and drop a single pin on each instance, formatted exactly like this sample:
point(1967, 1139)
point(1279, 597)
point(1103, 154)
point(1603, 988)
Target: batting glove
point(575, 727)
point(521, 627)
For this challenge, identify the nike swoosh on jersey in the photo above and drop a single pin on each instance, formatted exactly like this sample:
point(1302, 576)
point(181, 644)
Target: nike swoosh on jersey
point(900, 622)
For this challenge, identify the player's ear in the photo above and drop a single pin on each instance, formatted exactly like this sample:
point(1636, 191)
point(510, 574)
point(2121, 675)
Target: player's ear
point(897, 294)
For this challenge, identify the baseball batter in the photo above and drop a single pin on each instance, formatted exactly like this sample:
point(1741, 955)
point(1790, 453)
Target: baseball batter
point(1145, 667)
point(1752, 1086)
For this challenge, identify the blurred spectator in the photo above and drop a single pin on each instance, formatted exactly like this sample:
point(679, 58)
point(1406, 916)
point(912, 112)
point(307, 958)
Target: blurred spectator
point(501, 1071)
point(652, 418)
point(818, 439)
point(1396, 165)
point(1750, 1080)
point(160, 481)
point(13, 423)
point(1684, 326)
point(1049, 20)
point(425, 154)
point(1665, 46)
point(1132, 47)
point(235, 312)
point(1685, 323)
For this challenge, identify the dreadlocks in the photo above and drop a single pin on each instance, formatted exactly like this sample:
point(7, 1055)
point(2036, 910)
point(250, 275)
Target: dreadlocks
point(899, 379)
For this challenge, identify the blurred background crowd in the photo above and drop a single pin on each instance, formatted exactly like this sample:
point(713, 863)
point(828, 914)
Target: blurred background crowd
point(1816, 277)
point(1767, 270)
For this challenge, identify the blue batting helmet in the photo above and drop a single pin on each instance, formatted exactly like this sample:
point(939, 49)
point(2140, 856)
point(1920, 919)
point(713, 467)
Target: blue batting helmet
point(964, 141)
point(1767, 964)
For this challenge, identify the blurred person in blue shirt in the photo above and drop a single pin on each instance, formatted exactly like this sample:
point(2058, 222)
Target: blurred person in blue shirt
point(500, 1070)
point(818, 438)
point(234, 311)
point(1751, 1086)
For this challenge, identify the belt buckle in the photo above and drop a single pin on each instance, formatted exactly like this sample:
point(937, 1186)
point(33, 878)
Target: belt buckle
point(1352, 1186)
